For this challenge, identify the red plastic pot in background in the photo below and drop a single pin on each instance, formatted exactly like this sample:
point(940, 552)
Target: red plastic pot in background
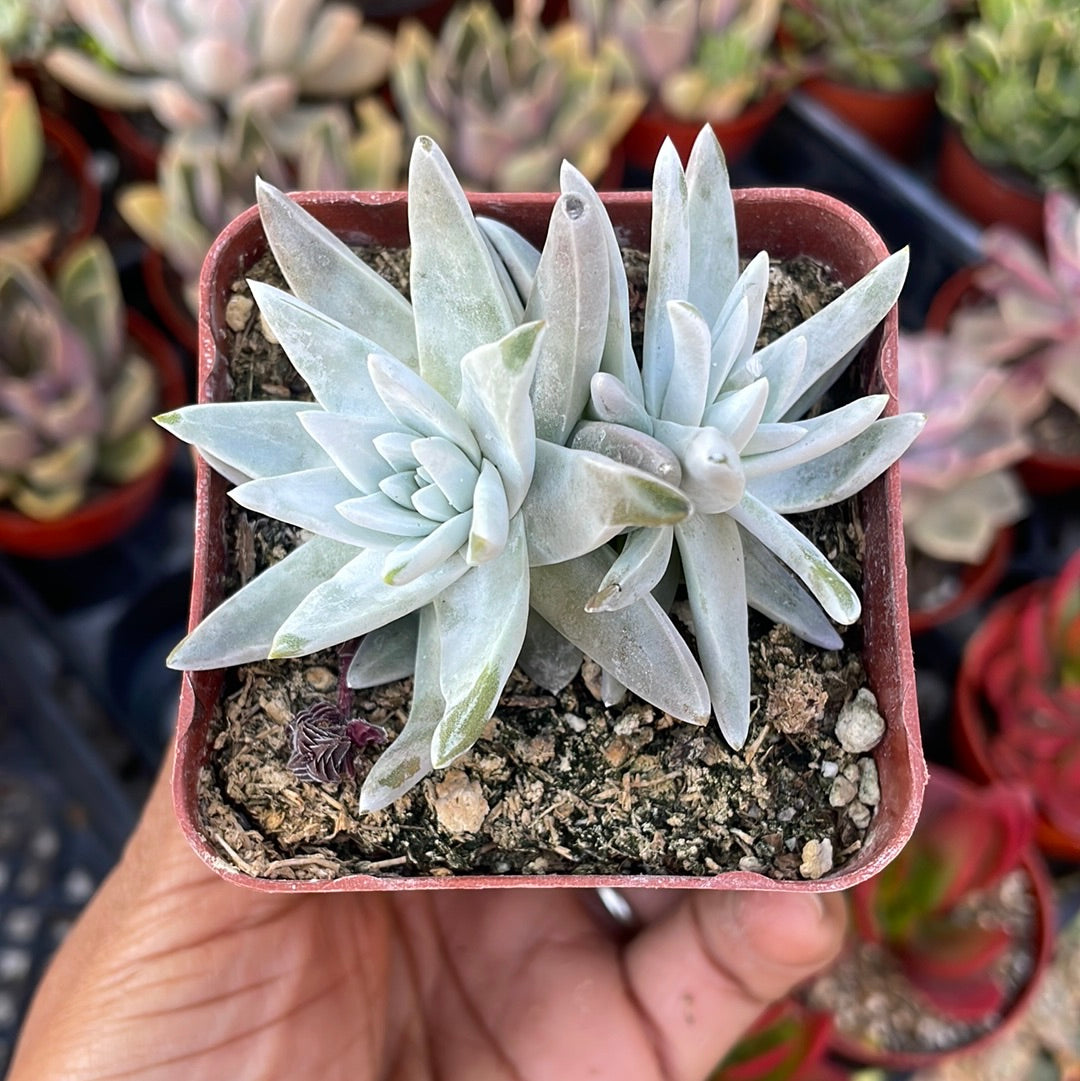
point(948, 789)
point(137, 145)
point(645, 137)
point(1043, 473)
point(105, 516)
point(165, 291)
point(785, 222)
point(977, 582)
point(973, 722)
point(985, 194)
point(896, 121)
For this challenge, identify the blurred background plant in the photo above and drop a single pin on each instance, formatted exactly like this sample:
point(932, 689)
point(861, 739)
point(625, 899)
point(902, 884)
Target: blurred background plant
point(698, 59)
point(75, 399)
point(508, 101)
point(27, 26)
point(1010, 83)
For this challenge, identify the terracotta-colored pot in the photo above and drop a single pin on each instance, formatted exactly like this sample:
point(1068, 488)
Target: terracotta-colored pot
point(949, 789)
point(977, 582)
point(785, 222)
point(972, 719)
point(896, 121)
point(1043, 473)
point(107, 515)
point(986, 194)
point(646, 135)
point(164, 289)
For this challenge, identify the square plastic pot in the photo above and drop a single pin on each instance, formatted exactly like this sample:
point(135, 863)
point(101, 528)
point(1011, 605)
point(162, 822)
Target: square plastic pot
point(784, 222)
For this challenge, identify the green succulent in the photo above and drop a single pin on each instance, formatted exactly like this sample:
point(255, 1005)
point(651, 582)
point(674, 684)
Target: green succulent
point(1010, 81)
point(432, 476)
point(869, 44)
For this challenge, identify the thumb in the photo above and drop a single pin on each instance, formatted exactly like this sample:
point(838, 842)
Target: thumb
point(703, 972)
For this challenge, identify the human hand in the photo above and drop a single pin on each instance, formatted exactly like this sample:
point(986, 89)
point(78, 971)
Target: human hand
point(172, 973)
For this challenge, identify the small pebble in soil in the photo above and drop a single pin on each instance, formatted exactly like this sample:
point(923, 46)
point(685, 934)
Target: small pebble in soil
point(860, 726)
point(459, 803)
point(817, 858)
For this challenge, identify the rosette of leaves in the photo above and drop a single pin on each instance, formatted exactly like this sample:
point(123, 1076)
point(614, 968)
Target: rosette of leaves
point(510, 102)
point(75, 402)
point(701, 59)
point(195, 62)
point(420, 475)
point(206, 178)
point(958, 488)
point(732, 426)
point(1010, 82)
point(863, 43)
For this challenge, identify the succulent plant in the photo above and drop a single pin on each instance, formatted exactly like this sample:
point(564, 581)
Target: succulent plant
point(961, 845)
point(510, 102)
point(1029, 678)
point(27, 26)
point(206, 178)
point(868, 44)
point(1034, 299)
point(1010, 81)
point(22, 152)
point(195, 63)
point(75, 401)
point(787, 1042)
point(701, 59)
point(428, 477)
point(728, 424)
point(958, 489)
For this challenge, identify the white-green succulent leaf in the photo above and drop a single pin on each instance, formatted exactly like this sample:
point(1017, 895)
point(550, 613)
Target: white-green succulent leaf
point(519, 257)
point(546, 657)
point(712, 472)
point(791, 547)
point(570, 294)
point(350, 443)
point(714, 245)
point(770, 437)
point(639, 644)
point(323, 271)
point(669, 273)
point(449, 255)
point(407, 760)
point(256, 439)
point(481, 624)
point(579, 501)
point(686, 396)
point(839, 473)
point(734, 336)
point(738, 413)
point(630, 446)
point(609, 400)
point(490, 526)
point(712, 561)
point(356, 600)
point(386, 654)
point(329, 356)
point(776, 593)
point(637, 570)
point(242, 628)
point(416, 557)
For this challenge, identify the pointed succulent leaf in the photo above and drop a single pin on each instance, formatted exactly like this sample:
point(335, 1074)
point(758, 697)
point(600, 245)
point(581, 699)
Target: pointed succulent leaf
point(357, 600)
point(739, 412)
point(569, 294)
point(490, 517)
point(517, 255)
point(258, 439)
point(322, 271)
point(769, 437)
point(790, 546)
point(714, 246)
point(242, 628)
point(429, 501)
point(637, 569)
point(639, 645)
point(408, 759)
point(824, 433)
point(495, 402)
point(685, 400)
point(380, 513)
point(349, 443)
point(839, 473)
point(418, 405)
point(630, 447)
point(449, 254)
point(546, 657)
point(385, 654)
point(712, 562)
point(481, 619)
point(327, 354)
point(449, 469)
point(833, 335)
point(775, 592)
point(618, 358)
point(612, 402)
point(669, 273)
point(733, 337)
point(578, 501)
point(308, 499)
point(416, 557)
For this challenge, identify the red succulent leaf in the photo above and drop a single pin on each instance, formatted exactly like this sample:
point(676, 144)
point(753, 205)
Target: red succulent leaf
point(1059, 790)
point(1033, 638)
point(963, 1000)
point(944, 952)
point(785, 1043)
